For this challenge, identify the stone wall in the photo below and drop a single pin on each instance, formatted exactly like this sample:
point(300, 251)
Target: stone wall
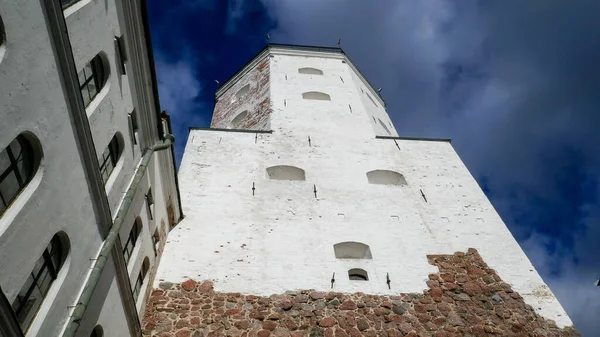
point(466, 298)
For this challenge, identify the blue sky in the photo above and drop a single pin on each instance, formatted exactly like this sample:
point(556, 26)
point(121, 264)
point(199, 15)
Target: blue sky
point(515, 84)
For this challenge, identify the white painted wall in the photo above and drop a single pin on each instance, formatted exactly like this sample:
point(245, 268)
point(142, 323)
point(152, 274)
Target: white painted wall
point(31, 99)
point(282, 237)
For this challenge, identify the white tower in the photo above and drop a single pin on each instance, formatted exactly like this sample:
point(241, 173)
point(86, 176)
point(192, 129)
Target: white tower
point(302, 182)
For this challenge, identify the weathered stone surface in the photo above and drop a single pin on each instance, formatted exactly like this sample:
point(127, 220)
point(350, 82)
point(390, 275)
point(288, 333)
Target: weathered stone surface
point(466, 299)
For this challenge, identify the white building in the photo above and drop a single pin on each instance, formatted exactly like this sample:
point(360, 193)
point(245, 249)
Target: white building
point(80, 124)
point(302, 178)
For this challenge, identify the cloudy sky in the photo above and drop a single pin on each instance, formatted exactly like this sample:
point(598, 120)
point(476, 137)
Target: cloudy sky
point(515, 84)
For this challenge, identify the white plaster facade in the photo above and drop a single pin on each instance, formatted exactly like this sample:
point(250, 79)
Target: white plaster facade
point(280, 235)
point(58, 199)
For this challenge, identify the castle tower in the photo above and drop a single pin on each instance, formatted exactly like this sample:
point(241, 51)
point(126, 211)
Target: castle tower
point(301, 198)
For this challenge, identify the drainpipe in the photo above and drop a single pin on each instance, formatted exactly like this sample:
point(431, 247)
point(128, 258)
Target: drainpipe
point(113, 234)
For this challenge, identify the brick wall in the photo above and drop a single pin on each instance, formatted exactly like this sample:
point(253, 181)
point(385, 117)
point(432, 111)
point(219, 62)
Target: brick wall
point(466, 298)
point(256, 101)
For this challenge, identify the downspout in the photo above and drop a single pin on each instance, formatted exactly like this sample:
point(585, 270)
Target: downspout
point(113, 234)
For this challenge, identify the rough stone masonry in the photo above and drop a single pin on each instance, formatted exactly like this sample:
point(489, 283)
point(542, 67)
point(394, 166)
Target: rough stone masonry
point(466, 298)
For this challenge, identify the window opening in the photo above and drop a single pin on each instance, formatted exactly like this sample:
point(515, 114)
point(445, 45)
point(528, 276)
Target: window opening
point(39, 281)
point(385, 177)
point(310, 71)
point(352, 250)
point(285, 172)
point(140, 279)
point(121, 52)
point(238, 119)
point(315, 95)
point(134, 234)
point(150, 203)
point(17, 167)
point(384, 127)
point(357, 274)
point(133, 126)
point(110, 157)
point(91, 79)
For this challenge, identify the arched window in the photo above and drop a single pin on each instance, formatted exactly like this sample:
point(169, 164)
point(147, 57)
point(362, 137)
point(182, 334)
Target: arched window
point(44, 272)
point(284, 172)
point(357, 274)
point(111, 156)
point(19, 162)
point(310, 71)
point(238, 119)
point(316, 96)
point(384, 127)
point(97, 332)
point(141, 276)
point(92, 78)
point(385, 177)
point(352, 250)
point(240, 93)
point(132, 238)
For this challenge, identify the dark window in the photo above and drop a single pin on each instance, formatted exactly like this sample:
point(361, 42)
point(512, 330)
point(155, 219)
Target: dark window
point(132, 239)
point(121, 53)
point(38, 283)
point(141, 276)
point(67, 3)
point(17, 167)
point(358, 274)
point(150, 203)
point(109, 158)
point(133, 126)
point(138, 286)
point(97, 332)
point(91, 79)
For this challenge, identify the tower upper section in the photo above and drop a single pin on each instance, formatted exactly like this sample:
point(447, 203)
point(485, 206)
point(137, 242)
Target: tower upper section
point(299, 90)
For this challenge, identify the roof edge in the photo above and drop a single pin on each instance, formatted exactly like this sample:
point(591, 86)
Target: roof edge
point(193, 128)
point(426, 139)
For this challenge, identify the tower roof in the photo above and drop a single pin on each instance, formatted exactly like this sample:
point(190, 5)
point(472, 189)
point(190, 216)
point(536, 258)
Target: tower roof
point(301, 49)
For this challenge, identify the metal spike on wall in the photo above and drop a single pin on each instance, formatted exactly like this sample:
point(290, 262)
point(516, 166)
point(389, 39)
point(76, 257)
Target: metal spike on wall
point(309, 144)
point(423, 195)
point(256, 138)
point(315, 190)
point(387, 278)
point(332, 280)
point(398, 146)
point(350, 106)
point(253, 188)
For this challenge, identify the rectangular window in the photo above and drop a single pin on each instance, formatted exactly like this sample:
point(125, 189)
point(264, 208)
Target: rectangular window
point(150, 203)
point(155, 242)
point(133, 126)
point(121, 53)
